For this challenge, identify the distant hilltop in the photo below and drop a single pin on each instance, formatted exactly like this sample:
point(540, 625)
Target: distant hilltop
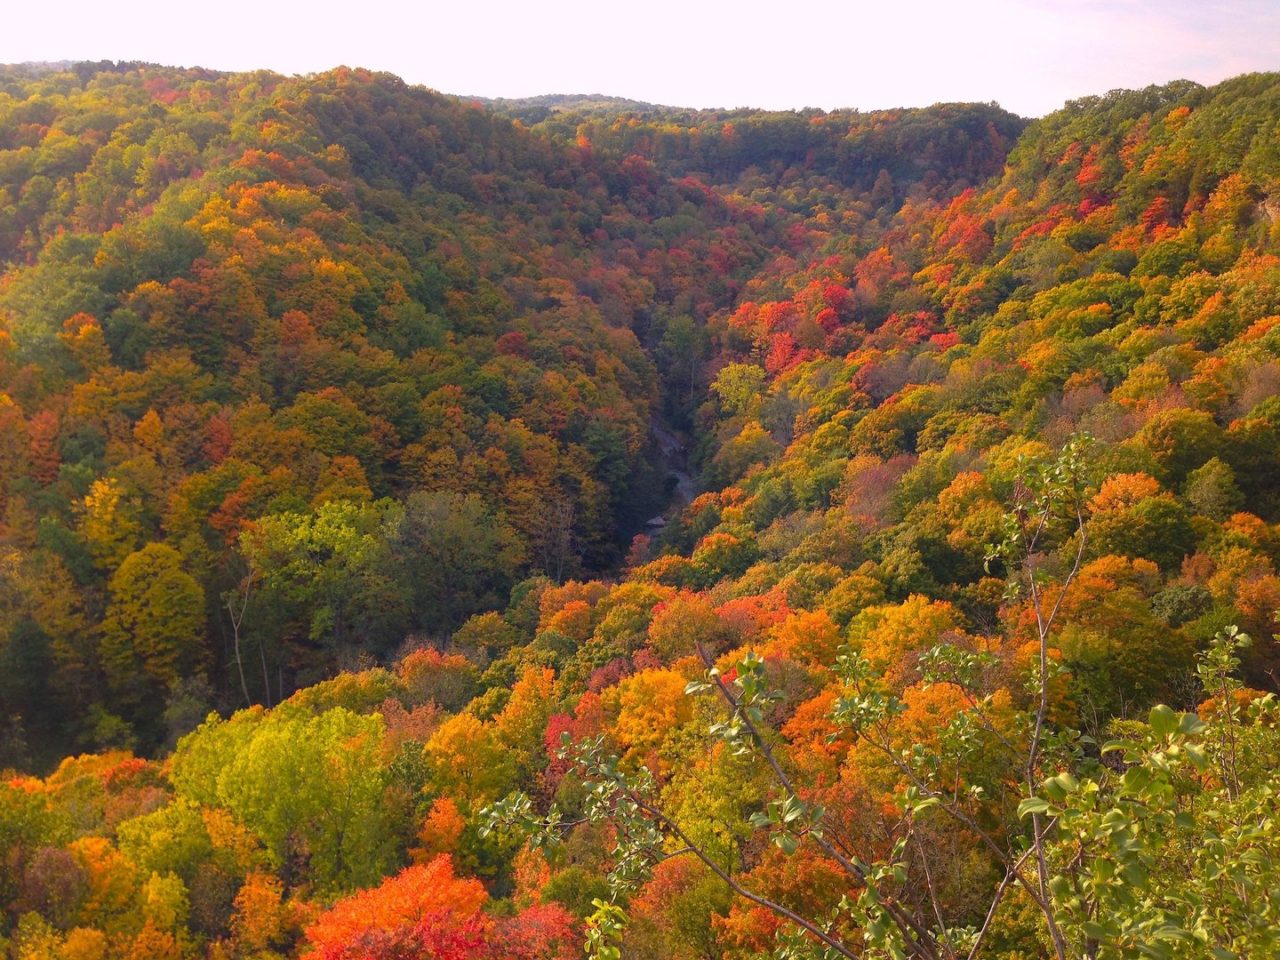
point(536, 109)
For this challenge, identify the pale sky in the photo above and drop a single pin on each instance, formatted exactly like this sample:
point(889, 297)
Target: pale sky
point(1028, 55)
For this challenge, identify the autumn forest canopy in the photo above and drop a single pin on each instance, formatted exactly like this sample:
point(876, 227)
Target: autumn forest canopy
point(434, 529)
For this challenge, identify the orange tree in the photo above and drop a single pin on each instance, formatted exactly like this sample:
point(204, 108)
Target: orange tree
point(952, 757)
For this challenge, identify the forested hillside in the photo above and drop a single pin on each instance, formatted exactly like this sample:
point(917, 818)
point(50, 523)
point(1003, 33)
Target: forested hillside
point(332, 413)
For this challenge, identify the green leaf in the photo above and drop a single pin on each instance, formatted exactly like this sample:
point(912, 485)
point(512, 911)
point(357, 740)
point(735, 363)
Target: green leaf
point(1096, 930)
point(926, 804)
point(1032, 805)
point(1057, 788)
point(1135, 780)
point(1164, 720)
point(1191, 725)
point(1136, 875)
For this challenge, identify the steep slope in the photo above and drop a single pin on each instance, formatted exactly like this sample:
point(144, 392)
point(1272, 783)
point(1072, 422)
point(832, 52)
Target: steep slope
point(892, 685)
point(334, 360)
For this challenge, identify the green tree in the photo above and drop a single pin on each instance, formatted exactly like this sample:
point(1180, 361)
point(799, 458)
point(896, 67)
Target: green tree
point(1174, 852)
point(740, 387)
point(309, 787)
point(334, 571)
point(1212, 491)
point(151, 635)
point(458, 557)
